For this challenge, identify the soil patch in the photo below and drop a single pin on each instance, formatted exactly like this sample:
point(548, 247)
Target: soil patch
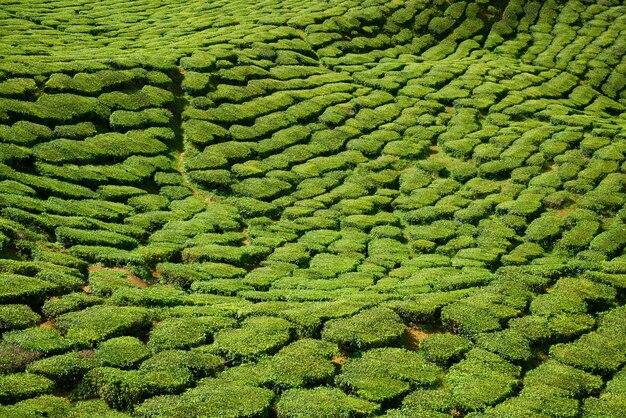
point(414, 335)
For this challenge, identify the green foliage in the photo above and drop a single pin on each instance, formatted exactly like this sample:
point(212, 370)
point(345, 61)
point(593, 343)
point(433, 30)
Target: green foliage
point(14, 316)
point(153, 296)
point(120, 389)
point(176, 333)
point(601, 351)
point(211, 398)
point(65, 369)
point(72, 236)
point(40, 406)
point(321, 401)
point(15, 288)
point(121, 352)
point(383, 374)
point(374, 327)
point(14, 358)
point(508, 344)
point(572, 382)
point(18, 386)
point(94, 407)
point(98, 323)
point(303, 363)
point(444, 349)
point(302, 188)
point(256, 336)
point(481, 379)
point(41, 340)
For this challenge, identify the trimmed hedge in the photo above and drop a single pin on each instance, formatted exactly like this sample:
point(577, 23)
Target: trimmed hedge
point(210, 398)
point(322, 401)
point(40, 406)
point(98, 323)
point(18, 386)
point(384, 374)
point(65, 369)
point(14, 316)
point(15, 288)
point(256, 337)
point(41, 340)
point(181, 333)
point(374, 327)
point(444, 349)
point(481, 379)
point(121, 352)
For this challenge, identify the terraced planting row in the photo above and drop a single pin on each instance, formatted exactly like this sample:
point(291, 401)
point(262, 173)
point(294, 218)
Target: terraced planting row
point(321, 209)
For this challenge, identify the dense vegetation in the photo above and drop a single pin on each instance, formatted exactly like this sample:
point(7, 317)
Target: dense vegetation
point(324, 208)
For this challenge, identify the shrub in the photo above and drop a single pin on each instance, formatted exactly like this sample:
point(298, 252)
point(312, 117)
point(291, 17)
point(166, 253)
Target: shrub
point(210, 398)
point(508, 344)
point(62, 259)
point(14, 358)
point(444, 349)
point(65, 369)
point(571, 382)
point(41, 406)
point(198, 362)
point(180, 333)
point(438, 231)
point(121, 352)
point(148, 96)
point(18, 386)
point(98, 323)
point(94, 407)
point(238, 256)
point(111, 146)
point(610, 241)
point(469, 318)
point(80, 130)
point(153, 296)
point(261, 188)
point(121, 389)
point(185, 274)
point(17, 317)
point(330, 265)
point(68, 303)
point(304, 363)
point(41, 340)
point(105, 255)
point(536, 401)
point(384, 374)
point(601, 351)
point(122, 120)
point(481, 379)
point(291, 253)
point(545, 229)
point(370, 328)
point(15, 288)
point(103, 282)
point(425, 403)
point(322, 401)
point(256, 337)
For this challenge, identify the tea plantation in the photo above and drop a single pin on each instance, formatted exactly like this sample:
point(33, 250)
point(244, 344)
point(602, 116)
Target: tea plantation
point(313, 209)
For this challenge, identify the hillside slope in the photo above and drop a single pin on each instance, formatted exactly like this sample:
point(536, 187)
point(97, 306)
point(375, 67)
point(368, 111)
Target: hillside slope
point(312, 209)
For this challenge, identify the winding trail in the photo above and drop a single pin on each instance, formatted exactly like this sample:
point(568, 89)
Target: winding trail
point(180, 167)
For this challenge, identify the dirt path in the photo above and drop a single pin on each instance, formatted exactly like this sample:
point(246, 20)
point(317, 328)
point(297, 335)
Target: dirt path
point(186, 183)
point(414, 335)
